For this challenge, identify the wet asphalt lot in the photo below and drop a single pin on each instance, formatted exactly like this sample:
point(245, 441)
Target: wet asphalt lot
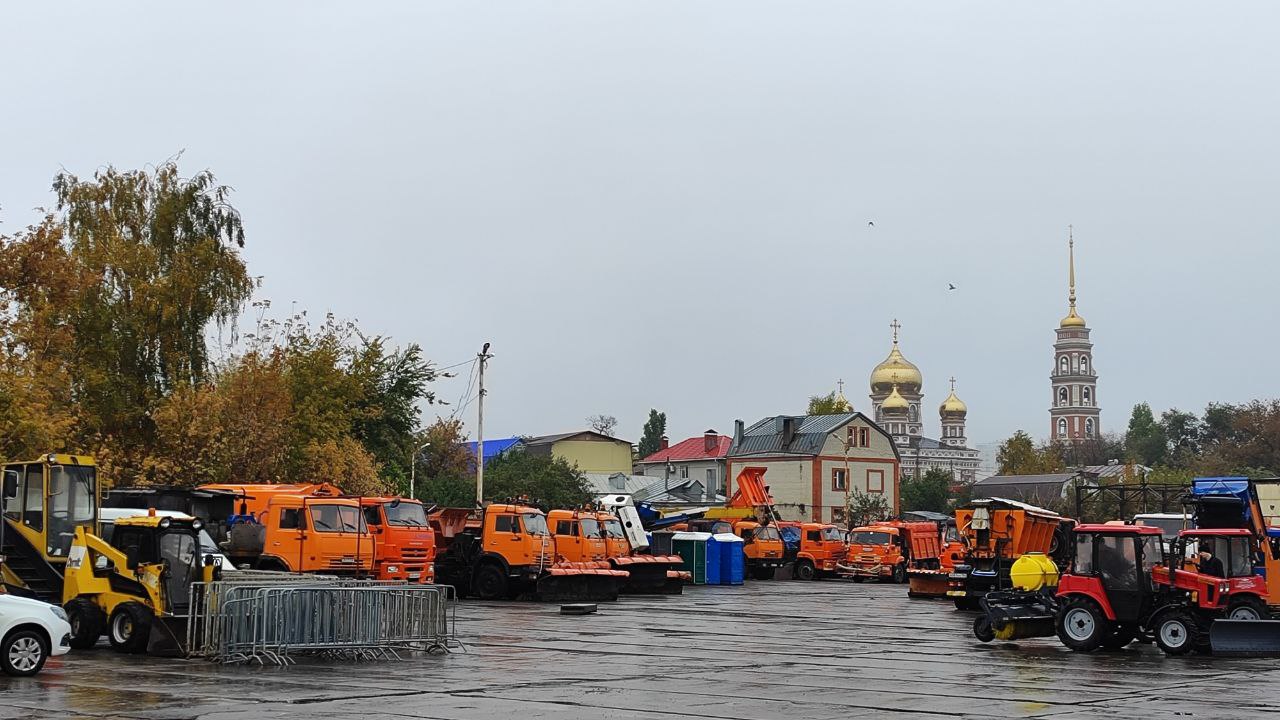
point(780, 649)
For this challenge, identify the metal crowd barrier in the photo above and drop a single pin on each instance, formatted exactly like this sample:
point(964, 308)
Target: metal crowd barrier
point(271, 620)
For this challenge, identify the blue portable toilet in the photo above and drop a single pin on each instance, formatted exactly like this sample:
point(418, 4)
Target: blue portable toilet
point(733, 558)
point(715, 565)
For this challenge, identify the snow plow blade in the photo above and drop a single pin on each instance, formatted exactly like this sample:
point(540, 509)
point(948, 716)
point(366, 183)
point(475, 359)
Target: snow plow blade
point(650, 574)
point(580, 582)
point(1245, 638)
point(927, 583)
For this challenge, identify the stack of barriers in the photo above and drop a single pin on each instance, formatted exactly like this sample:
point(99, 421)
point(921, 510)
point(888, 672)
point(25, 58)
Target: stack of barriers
point(277, 617)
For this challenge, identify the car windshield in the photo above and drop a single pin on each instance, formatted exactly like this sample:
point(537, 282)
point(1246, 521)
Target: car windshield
point(869, 537)
point(614, 528)
point(590, 527)
point(767, 533)
point(535, 524)
point(832, 533)
point(408, 514)
point(207, 545)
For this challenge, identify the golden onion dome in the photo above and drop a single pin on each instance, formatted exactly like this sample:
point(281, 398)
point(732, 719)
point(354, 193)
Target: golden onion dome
point(1072, 319)
point(896, 369)
point(895, 401)
point(953, 405)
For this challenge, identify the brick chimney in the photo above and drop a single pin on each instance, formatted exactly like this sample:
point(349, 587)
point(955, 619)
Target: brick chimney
point(664, 443)
point(710, 442)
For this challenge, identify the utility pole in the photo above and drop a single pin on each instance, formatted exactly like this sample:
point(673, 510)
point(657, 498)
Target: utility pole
point(484, 358)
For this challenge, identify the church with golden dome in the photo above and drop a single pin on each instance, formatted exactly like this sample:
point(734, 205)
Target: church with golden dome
point(897, 395)
point(1074, 414)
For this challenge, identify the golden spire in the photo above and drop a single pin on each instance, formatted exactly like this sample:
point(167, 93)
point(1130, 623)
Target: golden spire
point(952, 405)
point(1072, 319)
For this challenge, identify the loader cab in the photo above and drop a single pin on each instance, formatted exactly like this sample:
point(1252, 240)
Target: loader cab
point(1111, 565)
point(169, 547)
point(45, 500)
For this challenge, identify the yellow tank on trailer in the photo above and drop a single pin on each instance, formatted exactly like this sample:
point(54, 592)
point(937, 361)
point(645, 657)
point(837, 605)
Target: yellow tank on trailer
point(1034, 571)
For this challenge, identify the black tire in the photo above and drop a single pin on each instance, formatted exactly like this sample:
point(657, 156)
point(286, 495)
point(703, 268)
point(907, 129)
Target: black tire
point(982, 628)
point(129, 627)
point(490, 583)
point(87, 622)
point(900, 573)
point(1177, 632)
point(23, 652)
point(1120, 638)
point(761, 573)
point(804, 570)
point(1081, 625)
point(1247, 607)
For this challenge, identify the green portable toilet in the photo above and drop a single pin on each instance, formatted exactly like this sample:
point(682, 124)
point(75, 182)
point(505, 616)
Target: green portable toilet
point(692, 547)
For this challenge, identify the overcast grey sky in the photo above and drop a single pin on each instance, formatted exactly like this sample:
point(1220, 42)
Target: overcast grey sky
point(666, 204)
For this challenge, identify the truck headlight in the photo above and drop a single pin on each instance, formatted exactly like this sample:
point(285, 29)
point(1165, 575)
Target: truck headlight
point(392, 568)
point(59, 613)
point(1224, 588)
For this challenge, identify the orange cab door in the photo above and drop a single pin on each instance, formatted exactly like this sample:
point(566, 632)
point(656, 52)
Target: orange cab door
point(286, 527)
point(336, 539)
point(502, 536)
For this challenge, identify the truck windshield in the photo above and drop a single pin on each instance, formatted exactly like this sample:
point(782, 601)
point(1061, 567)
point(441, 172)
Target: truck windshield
point(832, 533)
point(336, 518)
point(590, 528)
point(614, 529)
point(405, 514)
point(535, 524)
point(869, 537)
point(767, 533)
point(71, 503)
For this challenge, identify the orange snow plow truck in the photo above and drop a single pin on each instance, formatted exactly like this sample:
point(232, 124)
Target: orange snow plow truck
point(751, 516)
point(888, 550)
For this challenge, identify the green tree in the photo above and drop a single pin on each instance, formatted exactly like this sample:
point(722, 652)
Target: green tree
point(1145, 441)
point(930, 491)
point(829, 404)
point(1182, 432)
point(654, 428)
point(549, 481)
point(1019, 456)
point(446, 467)
point(862, 508)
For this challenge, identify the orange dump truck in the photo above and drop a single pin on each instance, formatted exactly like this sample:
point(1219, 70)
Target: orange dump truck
point(752, 517)
point(820, 552)
point(996, 532)
point(888, 550)
point(506, 550)
point(404, 543)
point(928, 580)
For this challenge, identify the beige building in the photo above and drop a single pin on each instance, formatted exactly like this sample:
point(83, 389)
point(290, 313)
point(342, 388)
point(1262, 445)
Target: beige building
point(591, 451)
point(813, 462)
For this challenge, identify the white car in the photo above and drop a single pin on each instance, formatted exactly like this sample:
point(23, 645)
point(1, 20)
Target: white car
point(30, 632)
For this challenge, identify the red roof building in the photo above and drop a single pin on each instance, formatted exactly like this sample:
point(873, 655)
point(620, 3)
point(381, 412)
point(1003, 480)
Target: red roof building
point(699, 459)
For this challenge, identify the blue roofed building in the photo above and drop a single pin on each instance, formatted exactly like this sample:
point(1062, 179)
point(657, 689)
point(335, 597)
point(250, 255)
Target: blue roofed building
point(493, 448)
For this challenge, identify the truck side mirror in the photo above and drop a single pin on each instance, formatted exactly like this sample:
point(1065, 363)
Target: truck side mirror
point(10, 483)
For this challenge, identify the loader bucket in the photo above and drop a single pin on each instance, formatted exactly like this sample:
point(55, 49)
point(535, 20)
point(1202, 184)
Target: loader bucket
point(1245, 638)
point(579, 584)
point(163, 640)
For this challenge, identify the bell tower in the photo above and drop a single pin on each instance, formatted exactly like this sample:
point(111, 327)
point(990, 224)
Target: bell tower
point(1074, 414)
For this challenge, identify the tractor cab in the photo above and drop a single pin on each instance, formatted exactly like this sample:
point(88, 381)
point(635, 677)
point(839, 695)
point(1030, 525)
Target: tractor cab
point(1226, 580)
point(45, 501)
point(1111, 567)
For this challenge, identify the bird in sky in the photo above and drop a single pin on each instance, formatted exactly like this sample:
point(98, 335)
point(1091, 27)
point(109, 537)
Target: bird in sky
point(950, 286)
point(870, 224)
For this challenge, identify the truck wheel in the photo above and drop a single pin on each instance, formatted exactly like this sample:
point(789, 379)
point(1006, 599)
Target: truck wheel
point(1177, 632)
point(87, 621)
point(1247, 608)
point(490, 583)
point(982, 628)
point(1081, 624)
point(129, 627)
point(23, 652)
point(804, 570)
point(900, 573)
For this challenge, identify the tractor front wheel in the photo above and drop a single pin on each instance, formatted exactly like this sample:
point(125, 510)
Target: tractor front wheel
point(804, 570)
point(1081, 625)
point(129, 627)
point(1177, 632)
point(982, 628)
point(87, 621)
point(1248, 608)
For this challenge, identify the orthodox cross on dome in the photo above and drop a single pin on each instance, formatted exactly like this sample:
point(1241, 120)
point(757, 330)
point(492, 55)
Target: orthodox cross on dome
point(896, 326)
point(840, 386)
point(1071, 272)
point(953, 383)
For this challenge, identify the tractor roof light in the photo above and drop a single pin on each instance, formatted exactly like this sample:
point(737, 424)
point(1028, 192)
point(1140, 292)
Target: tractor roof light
point(197, 523)
point(166, 522)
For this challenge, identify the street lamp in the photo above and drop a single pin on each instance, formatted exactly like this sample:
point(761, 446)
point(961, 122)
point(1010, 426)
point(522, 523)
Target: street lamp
point(413, 467)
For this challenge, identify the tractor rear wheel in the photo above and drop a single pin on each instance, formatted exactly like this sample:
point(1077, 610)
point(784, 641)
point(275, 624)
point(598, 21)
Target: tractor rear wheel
point(1248, 607)
point(1081, 624)
point(87, 621)
point(982, 629)
point(129, 627)
point(490, 583)
point(804, 570)
point(1177, 632)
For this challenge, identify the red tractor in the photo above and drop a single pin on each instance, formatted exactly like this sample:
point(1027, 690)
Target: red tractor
point(1121, 587)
